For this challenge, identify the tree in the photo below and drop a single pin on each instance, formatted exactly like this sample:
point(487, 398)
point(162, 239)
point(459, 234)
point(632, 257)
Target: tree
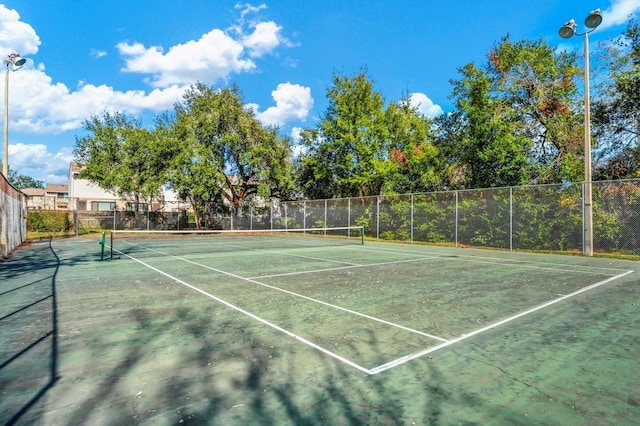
point(514, 121)
point(225, 153)
point(413, 163)
point(22, 181)
point(616, 112)
point(482, 138)
point(345, 151)
point(537, 84)
point(122, 157)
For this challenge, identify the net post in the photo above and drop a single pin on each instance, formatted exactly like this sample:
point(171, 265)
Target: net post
point(362, 235)
point(102, 241)
point(111, 245)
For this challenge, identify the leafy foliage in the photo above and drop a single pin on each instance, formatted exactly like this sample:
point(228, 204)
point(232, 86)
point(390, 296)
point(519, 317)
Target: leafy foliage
point(514, 123)
point(616, 112)
point(361, 149)
point(122, 157)
point(22, 181)
point(48, 221)
point(224, 152)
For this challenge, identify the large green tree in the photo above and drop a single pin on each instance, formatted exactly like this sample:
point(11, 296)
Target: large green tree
point(344, 151)
point(616, 111)
point(361, 148)
point(226, 156)
point(480, 137)
point(122, 157)
point(537, 84)
point(515, 121)
point(411, 163)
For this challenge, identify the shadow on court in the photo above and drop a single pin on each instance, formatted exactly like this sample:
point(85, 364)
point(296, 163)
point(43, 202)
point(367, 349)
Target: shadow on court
point(114, 343)
point(30, 348)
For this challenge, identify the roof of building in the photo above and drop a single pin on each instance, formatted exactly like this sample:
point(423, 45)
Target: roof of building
point(56, 187)
point(33, 192)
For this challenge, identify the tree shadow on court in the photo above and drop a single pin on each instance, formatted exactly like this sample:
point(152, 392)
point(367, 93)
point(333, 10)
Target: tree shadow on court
point(34, 259)
point(29, 338)
point(173, 359)
point(258, 387)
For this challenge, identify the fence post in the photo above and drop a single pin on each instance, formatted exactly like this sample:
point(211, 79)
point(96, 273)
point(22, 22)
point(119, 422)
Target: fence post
point(411, 221)
point(510, 218)
point(325, 217)
point(286, 225)
point(377, 217)
point(456, 225)
point(349, 212)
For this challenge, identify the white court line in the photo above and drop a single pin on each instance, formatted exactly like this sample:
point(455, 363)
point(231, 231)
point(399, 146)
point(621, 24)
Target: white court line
point(254, 249)
point(546, 268)
point(311, 299)
point(255, 317)
point(313, 271)
point(515, 262)
point(294, 255)
point(407, 358)
point(388, 365)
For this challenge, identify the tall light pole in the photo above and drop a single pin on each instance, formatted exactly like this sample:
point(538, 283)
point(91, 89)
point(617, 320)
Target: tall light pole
point(16, 62)
point(567, 31)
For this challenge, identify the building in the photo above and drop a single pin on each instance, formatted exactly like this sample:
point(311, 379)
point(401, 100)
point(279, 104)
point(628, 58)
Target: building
point(83, 195)
point(52, 197)
point(88, 196)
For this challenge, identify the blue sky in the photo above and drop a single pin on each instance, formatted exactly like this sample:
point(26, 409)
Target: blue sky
point(137, 57)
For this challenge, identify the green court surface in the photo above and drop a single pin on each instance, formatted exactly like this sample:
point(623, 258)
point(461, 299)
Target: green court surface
point(237, 331)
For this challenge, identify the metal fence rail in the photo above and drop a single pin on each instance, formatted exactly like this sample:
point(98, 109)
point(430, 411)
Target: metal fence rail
point(536, 217)
point(541, 217)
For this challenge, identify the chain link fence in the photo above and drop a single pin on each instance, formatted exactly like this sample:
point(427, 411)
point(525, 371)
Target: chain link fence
point(537, 217)
point(541, 217)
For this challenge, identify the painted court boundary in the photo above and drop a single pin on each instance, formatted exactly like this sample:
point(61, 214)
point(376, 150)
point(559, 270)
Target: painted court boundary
point(383, 367)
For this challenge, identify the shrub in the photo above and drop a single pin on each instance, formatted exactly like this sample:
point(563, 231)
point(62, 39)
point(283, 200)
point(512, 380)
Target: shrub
point(48, 221)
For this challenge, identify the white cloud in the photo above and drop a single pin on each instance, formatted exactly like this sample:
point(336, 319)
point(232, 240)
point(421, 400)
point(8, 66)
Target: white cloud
point(264, 39)
point(214, 57)
point(211, 58)
point(15, 35)
point(293, 102)
point(38, 105)
point(424, 105)
point(298, 148)
point(295, 134)
point(619, 12)
point(98, 53)
point(37, 162)
point(247, 8)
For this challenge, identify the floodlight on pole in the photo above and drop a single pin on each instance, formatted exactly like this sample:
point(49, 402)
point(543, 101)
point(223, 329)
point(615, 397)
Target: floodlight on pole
point(568, 30)
point(15, 62)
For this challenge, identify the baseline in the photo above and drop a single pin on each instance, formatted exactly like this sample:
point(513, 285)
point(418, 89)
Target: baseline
point(402, 360)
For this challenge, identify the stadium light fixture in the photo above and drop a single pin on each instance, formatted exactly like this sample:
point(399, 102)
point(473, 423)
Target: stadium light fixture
point(568, 30)
point(15, 62)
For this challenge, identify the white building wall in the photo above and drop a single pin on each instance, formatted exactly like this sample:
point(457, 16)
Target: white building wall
point(85, 190)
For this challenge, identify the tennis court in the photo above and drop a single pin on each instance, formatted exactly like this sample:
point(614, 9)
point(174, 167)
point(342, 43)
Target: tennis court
point(314, 327)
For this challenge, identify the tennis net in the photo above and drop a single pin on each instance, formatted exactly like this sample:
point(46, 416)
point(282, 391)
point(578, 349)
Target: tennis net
point(156, 242)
